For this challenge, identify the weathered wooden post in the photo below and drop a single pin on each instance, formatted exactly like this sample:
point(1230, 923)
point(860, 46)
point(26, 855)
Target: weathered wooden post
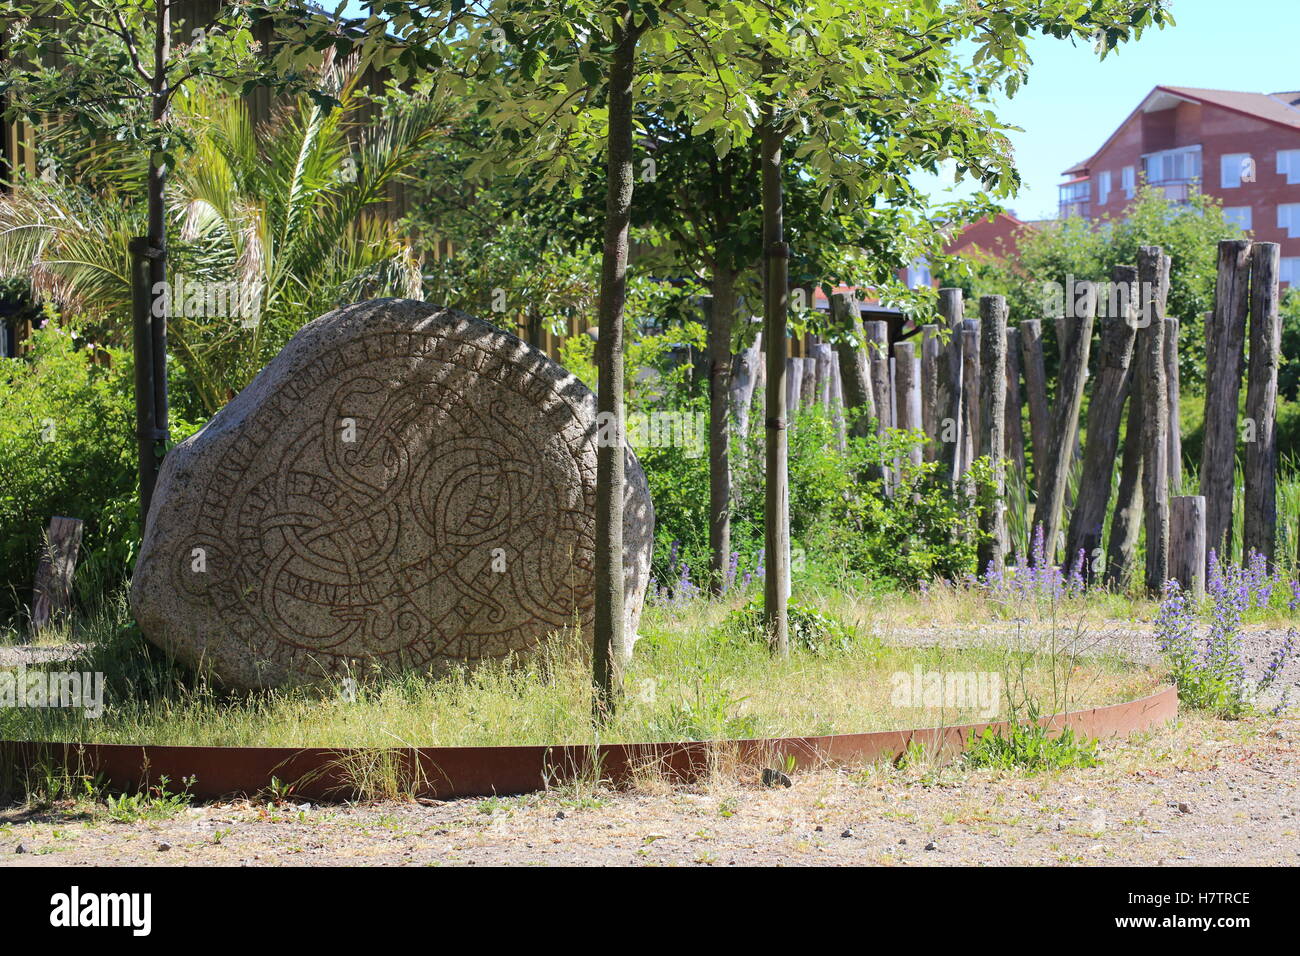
point(1076, 343)
point(1259, 532)
point(907, 374)
point(1187, 557)
point(929, 387)
point(808, 388)
point(824, 358)
point(1152, 278)
point(52, 590)
point(1105, 408)
point(877, 334)
point(1015, 448)
point(971, 386)
point(855, 363)
point(992, 423)
point(1040, 420)
point(1126, 525)
point(1173, 390)
point(1224, 339)
point(744, 379)
point(793, 385)
point(837, 404)
point(948, 400)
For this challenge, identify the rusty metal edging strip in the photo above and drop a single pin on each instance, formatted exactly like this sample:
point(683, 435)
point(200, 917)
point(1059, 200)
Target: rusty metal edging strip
point(320, 773)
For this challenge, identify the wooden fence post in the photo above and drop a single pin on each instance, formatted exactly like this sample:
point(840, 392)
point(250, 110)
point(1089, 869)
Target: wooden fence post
point(970, 386)
point(907, 373)
point(808, 388)
point(1224, 339)
point(1040, 421)
point(1076, 343)
point(744, 379)
point(1015, 447)
point(1187, 557)
point(52, 590)
point(793, 385)
point(1152, 278)
point(992, 423)
point(824, 358)
point(877, 334)
point(1105, 409)
point(1259, 532)
point(1174, 390)
point(929, 387)
point(948, 400)
point(855, 363)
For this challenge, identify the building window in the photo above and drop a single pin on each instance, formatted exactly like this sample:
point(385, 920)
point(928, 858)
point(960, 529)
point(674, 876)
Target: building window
point(1289, 271)
point(1103, 187)
point(1288, 165)
point(1074, 198)
point(1239, 216)
point(1128, 181)
point(1235, 169)
point(1174, 170)
point(1288, 219)
point(918, 273)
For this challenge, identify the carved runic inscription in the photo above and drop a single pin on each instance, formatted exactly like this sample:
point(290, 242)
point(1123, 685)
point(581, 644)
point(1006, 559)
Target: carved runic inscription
point(404, 497)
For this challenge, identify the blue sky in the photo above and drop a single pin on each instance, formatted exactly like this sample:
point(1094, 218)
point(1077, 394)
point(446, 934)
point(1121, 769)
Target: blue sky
point(1073, 102)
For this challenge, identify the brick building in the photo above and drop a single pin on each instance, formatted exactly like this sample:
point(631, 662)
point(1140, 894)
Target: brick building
point(1241, 148)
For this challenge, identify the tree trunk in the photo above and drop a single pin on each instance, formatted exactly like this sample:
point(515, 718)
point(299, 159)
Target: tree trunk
point(1224, 340)
point(610, 641)
point(148, 278)
point(1260, 525)
point(1104, 413)
point(721, 320)
point(776, 256)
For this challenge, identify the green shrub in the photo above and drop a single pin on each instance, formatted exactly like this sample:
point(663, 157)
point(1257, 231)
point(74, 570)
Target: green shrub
point(810, 629)
point(67, 447)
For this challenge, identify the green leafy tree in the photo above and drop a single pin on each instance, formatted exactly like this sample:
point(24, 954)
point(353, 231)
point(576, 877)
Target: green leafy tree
point(277, 218)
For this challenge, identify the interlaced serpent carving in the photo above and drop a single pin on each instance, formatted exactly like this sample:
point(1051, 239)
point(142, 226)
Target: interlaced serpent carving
point(455, 523)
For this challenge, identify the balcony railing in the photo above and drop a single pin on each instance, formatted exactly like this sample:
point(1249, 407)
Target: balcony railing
point(1176, 190)
point(1075, 207)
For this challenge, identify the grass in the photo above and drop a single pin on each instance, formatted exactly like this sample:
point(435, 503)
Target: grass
point(696, 675)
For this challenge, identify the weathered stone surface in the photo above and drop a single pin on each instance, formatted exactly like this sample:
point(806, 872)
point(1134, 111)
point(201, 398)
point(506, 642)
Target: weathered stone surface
point(403, 486)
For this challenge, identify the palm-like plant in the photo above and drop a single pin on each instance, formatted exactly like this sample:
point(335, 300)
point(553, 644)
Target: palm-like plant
point(284, 213)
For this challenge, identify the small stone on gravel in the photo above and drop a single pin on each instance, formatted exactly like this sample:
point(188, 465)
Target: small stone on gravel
point(775, 778)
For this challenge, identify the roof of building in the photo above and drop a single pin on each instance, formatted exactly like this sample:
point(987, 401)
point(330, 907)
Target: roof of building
point(1281, 109)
